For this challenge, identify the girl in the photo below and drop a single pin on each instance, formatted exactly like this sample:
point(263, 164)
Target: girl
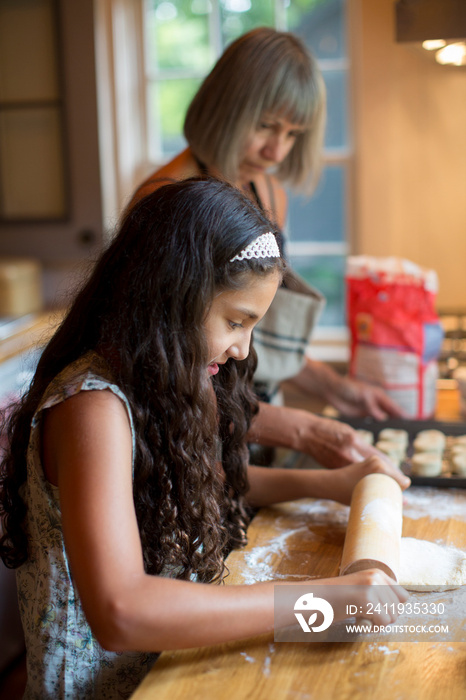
point(126, 479)
point(258, 121)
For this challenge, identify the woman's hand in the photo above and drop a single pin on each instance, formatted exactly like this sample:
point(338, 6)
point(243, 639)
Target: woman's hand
point(354, 398)
point(330, 442)
point(349, 396)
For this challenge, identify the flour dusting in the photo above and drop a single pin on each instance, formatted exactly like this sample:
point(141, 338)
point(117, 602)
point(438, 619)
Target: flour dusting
point(259, 561)
point(388, 651)
point(428, 502)
point(383, 648)
point(268, 661)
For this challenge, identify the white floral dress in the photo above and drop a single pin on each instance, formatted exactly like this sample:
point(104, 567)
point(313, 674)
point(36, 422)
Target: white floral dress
point(64, 660)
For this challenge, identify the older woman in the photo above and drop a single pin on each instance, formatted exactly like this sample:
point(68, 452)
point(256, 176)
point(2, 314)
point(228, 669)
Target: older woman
point(258, 121)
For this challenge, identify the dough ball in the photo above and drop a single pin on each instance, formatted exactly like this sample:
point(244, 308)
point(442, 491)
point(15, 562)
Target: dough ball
point(429, 441)
point(458, 463)
point(426, 464)
point(366, 436)
point(401, 437)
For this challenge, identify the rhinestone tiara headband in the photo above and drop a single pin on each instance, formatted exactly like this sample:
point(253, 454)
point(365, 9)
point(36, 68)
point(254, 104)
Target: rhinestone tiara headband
point(265, 246)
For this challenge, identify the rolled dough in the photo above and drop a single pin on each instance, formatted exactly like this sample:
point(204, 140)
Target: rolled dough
point(426, 566)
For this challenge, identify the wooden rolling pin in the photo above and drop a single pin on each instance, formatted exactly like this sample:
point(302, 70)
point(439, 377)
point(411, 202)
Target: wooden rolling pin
point(374, 527)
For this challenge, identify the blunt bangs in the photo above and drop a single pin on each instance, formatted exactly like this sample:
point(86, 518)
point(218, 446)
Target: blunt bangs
point(293, 95)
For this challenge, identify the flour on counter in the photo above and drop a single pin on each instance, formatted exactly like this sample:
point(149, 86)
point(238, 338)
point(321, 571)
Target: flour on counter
point(321, 510)
point(428, 502)
point(268, 661)
point(266, 667)
point(258, 562)
point(383, 648)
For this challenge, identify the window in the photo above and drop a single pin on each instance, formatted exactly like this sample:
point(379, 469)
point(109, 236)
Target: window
point(183, 39)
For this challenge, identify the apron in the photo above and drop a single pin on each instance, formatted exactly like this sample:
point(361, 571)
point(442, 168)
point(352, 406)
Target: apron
point(282, 336)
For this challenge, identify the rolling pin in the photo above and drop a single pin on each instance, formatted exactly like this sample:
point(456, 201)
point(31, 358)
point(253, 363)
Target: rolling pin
point(374, 527)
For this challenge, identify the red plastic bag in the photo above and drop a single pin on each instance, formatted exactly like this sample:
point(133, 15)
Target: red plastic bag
point(395, 332)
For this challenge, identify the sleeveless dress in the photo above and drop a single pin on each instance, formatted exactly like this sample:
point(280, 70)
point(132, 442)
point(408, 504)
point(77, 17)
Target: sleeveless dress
point(64, 660)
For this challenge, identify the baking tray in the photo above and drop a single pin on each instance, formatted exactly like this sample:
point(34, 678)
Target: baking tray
point(446, 479)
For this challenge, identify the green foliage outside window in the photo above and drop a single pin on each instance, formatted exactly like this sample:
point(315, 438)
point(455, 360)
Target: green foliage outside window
point(180, 39)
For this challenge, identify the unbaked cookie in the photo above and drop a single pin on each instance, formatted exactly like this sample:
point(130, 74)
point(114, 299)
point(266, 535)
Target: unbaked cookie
point(426, 464)
point(429, 441)
point(458, 463)
point(401, 437)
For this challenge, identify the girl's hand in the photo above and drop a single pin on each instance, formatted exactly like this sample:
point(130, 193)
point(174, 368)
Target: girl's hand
point(370, 590)
point(269, 486)
point(372, 594)
point(345, 479)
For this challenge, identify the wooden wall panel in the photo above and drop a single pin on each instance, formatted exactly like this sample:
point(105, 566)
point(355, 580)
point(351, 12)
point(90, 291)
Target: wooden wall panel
point(410, 151)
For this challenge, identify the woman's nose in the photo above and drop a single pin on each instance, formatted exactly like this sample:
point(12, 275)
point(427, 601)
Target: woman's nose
point(276, 148)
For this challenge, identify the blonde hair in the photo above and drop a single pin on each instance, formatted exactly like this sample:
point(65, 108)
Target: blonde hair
point(264, 72)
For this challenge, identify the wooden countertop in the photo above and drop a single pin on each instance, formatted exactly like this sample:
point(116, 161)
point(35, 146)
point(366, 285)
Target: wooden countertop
point(295, 540)
point(306, 539)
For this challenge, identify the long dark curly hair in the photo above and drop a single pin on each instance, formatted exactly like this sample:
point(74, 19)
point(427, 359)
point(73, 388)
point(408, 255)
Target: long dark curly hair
point(143, 309)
